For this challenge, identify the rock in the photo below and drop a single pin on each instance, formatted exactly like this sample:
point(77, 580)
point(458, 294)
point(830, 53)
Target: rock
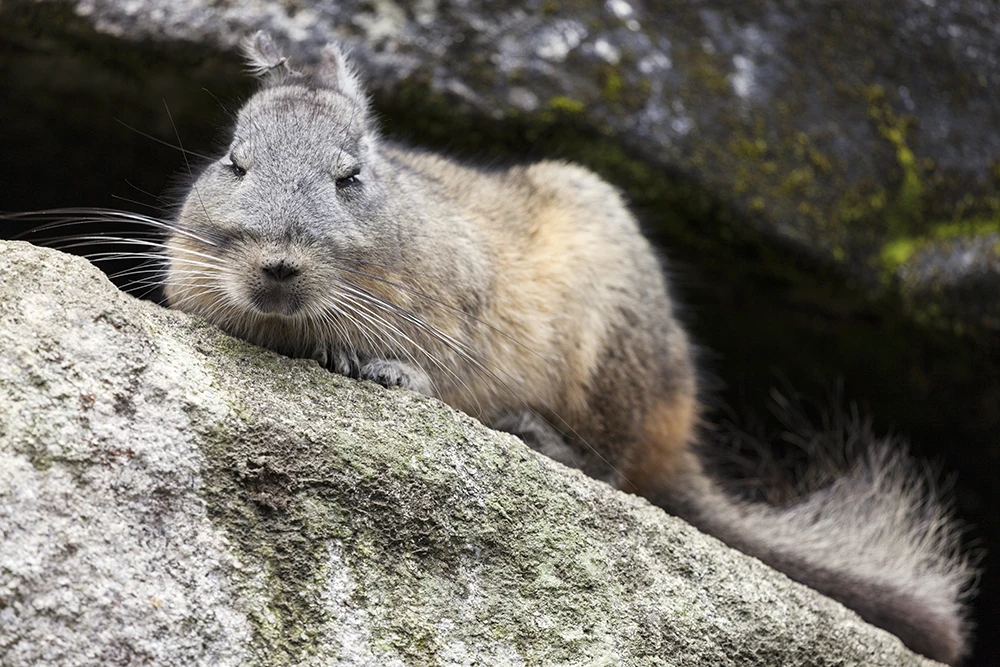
point(861, 134)
point(170, 495)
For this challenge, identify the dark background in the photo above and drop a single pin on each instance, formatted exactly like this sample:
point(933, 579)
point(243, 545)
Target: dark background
point(765, 317)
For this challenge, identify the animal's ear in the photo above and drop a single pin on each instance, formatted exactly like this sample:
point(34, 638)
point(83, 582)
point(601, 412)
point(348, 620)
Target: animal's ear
point(264, 58)
point(336, 73)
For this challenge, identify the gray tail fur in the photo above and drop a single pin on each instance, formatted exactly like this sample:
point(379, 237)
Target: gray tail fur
point(877, 539)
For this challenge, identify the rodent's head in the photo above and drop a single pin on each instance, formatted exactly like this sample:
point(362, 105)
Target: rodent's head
point(298, 193)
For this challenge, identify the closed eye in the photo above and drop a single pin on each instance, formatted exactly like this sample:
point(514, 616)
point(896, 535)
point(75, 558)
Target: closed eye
point(349, 179)
point(238, 171)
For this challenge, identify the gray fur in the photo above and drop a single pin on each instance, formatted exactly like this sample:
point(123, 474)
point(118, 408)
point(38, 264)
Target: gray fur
point(876, 539)
point(395, 373)
point(263, 56)
point(529, 299)
point(540, 435)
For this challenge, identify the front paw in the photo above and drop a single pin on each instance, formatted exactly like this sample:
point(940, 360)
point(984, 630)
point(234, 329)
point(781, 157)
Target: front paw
point(393, 373)
point(386, 373)
point(339, 360)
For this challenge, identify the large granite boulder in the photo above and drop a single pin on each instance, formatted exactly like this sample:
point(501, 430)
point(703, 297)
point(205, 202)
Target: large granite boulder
point(172, 496)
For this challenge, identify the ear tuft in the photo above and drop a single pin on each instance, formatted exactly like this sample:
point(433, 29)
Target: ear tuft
point(263, 56)
point(336, 73)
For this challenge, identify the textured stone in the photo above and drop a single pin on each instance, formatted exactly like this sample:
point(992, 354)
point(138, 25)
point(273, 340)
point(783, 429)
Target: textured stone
point(169, 495)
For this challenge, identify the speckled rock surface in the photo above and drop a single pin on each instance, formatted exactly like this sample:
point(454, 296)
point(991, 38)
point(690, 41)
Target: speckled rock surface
point(170, 496)
point(863, 134)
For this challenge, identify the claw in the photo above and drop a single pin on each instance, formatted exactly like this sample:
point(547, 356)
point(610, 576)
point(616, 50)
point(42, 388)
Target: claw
point(321, 356)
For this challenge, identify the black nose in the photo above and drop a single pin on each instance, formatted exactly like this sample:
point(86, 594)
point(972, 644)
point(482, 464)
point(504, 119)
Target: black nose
point(280, 270)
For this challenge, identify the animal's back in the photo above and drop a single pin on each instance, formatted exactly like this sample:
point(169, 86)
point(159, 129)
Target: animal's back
point(578, 321)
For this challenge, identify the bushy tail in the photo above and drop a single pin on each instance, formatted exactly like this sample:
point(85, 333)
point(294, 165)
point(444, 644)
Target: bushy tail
point(877, 539)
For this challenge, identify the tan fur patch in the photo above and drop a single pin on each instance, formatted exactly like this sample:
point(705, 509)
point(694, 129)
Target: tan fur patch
point(664, 447)
point(569, 244)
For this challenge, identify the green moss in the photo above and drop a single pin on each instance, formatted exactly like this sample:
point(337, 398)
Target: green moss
point(549, 8)
point(565, 105)
point(797, 180)
point(900, 250)
point(906, 210)
point(970, 227)
point(818, 160)
point(612, 84)
point(38, 455)
point(749, 149)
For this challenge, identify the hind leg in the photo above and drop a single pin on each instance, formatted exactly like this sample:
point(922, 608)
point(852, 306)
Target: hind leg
point(540, 436)
point(662, 456)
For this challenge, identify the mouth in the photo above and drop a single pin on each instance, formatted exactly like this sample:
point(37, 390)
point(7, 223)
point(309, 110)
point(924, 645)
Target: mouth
point(275, 300)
